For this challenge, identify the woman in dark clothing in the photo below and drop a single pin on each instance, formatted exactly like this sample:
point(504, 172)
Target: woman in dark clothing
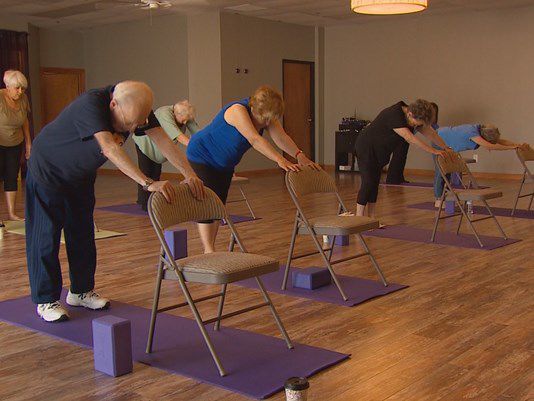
point(378, 140)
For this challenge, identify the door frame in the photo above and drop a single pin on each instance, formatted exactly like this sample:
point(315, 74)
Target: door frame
point(312, 98)
point(43, 70)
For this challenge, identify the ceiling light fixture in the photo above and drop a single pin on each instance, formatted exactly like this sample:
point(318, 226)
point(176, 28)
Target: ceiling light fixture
point(388, 7)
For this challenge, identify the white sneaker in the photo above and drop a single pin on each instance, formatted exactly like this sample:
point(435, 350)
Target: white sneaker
point(52, 312)
point(90, 300)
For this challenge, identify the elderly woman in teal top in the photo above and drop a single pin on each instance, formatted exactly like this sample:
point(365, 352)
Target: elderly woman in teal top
point(469, 137)
point(176, 121)
point(215, 150)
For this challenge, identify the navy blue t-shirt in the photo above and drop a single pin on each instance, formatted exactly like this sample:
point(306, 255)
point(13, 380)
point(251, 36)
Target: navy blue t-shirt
point(66, 153)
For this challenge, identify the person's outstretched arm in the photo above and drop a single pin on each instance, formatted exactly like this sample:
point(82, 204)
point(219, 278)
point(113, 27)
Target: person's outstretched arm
point(284, 142)
point(237, 116)
point(412, 139)
point(433, 136)
point(177, 158)
point(113, 151)
point(501, 145)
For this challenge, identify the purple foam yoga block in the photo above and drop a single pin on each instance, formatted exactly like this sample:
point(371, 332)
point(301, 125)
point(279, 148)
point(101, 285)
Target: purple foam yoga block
point(112, 345)
point(311, 278)
point(176, 238)
point(342, 240)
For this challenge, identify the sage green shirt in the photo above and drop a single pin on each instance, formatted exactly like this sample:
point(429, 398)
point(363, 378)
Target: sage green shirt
point(165, 116)
point(11, 121)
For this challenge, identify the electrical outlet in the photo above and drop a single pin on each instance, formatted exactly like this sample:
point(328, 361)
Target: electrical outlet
point(475, 157)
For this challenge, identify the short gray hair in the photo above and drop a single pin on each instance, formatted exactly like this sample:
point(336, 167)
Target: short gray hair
point(185, 109)
point(15, 79)
point(490, 133)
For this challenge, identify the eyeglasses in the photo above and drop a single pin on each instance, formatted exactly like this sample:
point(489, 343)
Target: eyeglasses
point(132, 126)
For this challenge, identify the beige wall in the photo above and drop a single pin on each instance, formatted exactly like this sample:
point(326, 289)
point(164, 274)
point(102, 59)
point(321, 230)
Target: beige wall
point(13, 23)
point(260, 46)
point(476, 66)
point(61, 49)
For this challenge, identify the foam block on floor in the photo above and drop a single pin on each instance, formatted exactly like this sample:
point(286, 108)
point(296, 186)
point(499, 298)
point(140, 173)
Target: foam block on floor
point(342, 240)
point(112, 344)
point(311, 278)
point(176, 238)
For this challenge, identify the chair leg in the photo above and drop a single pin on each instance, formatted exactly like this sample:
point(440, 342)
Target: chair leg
point(531, 199)
point(436, 222)
point(331, 247)
point(495, 219)
point(154, 313)
point(470, 224)
point(290, 254)
point(248, 204)
point(275, 314)
point(231, 245)
point(217, 324)
point(459, 224)
point(329, 266)
point(198, 319)
point(373, 260)
point(518, 195)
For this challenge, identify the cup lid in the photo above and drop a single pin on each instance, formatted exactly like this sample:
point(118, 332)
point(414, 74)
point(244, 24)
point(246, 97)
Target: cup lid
point(297, 383)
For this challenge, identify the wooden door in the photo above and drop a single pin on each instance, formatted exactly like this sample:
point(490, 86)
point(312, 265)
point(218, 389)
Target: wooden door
point(299, 101)
point(59, 87)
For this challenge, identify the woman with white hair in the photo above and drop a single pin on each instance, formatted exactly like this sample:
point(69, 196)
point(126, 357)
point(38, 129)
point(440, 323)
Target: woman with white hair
point(176, 121)
point(467, 137)
point(14, 130)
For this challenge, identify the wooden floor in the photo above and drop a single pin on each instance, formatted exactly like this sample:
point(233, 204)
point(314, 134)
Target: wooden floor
point(463, 330)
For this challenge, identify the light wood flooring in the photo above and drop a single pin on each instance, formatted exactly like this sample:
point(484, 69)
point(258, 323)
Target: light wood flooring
point(463, 330)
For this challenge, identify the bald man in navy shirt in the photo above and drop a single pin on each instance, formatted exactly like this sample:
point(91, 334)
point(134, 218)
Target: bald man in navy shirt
point(60, 187)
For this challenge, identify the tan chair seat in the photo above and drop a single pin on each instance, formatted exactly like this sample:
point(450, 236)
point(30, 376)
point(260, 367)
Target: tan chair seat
point(475, 194)
point(225, 267)
point(240, 180)
point(340, 225)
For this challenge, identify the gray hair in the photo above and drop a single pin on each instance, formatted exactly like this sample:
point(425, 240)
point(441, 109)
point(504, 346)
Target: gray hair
point(15, 79)
point(184, 109)
point(490, 133)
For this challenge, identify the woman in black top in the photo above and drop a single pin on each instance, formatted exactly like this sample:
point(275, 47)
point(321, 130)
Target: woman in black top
point(376, 143)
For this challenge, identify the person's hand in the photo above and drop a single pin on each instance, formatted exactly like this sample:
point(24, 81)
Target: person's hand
point(286, 165)
point(196, 185)
point(447, 154)
point(28, 150)
point(523, 146)
point(303, 160)
point(164, 187)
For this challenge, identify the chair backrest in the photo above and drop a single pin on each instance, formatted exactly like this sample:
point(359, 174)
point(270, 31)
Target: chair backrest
point(309, 181)
point(526, 155)
point(454, 165)
point(184, 208)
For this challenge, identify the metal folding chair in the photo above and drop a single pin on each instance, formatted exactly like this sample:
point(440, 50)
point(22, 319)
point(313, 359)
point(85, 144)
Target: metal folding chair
point(219, 268)
point(470, 192)
point(240, 181)
point(309, 181)
point(525, 156)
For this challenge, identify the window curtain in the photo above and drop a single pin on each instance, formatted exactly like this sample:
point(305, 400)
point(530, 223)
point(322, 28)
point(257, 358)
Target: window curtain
point(14, 56)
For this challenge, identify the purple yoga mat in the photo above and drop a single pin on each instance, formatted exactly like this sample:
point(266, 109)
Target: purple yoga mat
point(415, 234)
point(257, 365)
point(357, 289)
point(133, 209)
point(497, 211)
point(421, 185)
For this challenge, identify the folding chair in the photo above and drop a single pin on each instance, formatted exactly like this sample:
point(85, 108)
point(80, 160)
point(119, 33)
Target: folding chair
point(469, 192)
point(309, 181)
point(240, 181)
point(525, 155)
point(221, 268)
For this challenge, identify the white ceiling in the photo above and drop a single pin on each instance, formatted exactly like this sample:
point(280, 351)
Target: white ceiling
point(77, 14)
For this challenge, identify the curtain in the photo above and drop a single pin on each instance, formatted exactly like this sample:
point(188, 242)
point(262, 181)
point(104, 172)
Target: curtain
point(14, 56)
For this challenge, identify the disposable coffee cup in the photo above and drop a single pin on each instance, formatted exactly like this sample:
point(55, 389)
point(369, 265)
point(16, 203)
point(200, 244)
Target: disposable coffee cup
point(296, 389)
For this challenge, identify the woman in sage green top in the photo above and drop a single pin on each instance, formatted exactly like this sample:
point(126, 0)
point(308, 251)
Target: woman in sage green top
point(175, 120)
point(14, 130)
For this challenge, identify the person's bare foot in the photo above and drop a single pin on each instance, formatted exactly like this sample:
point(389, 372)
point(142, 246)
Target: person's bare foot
point(14, 217)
